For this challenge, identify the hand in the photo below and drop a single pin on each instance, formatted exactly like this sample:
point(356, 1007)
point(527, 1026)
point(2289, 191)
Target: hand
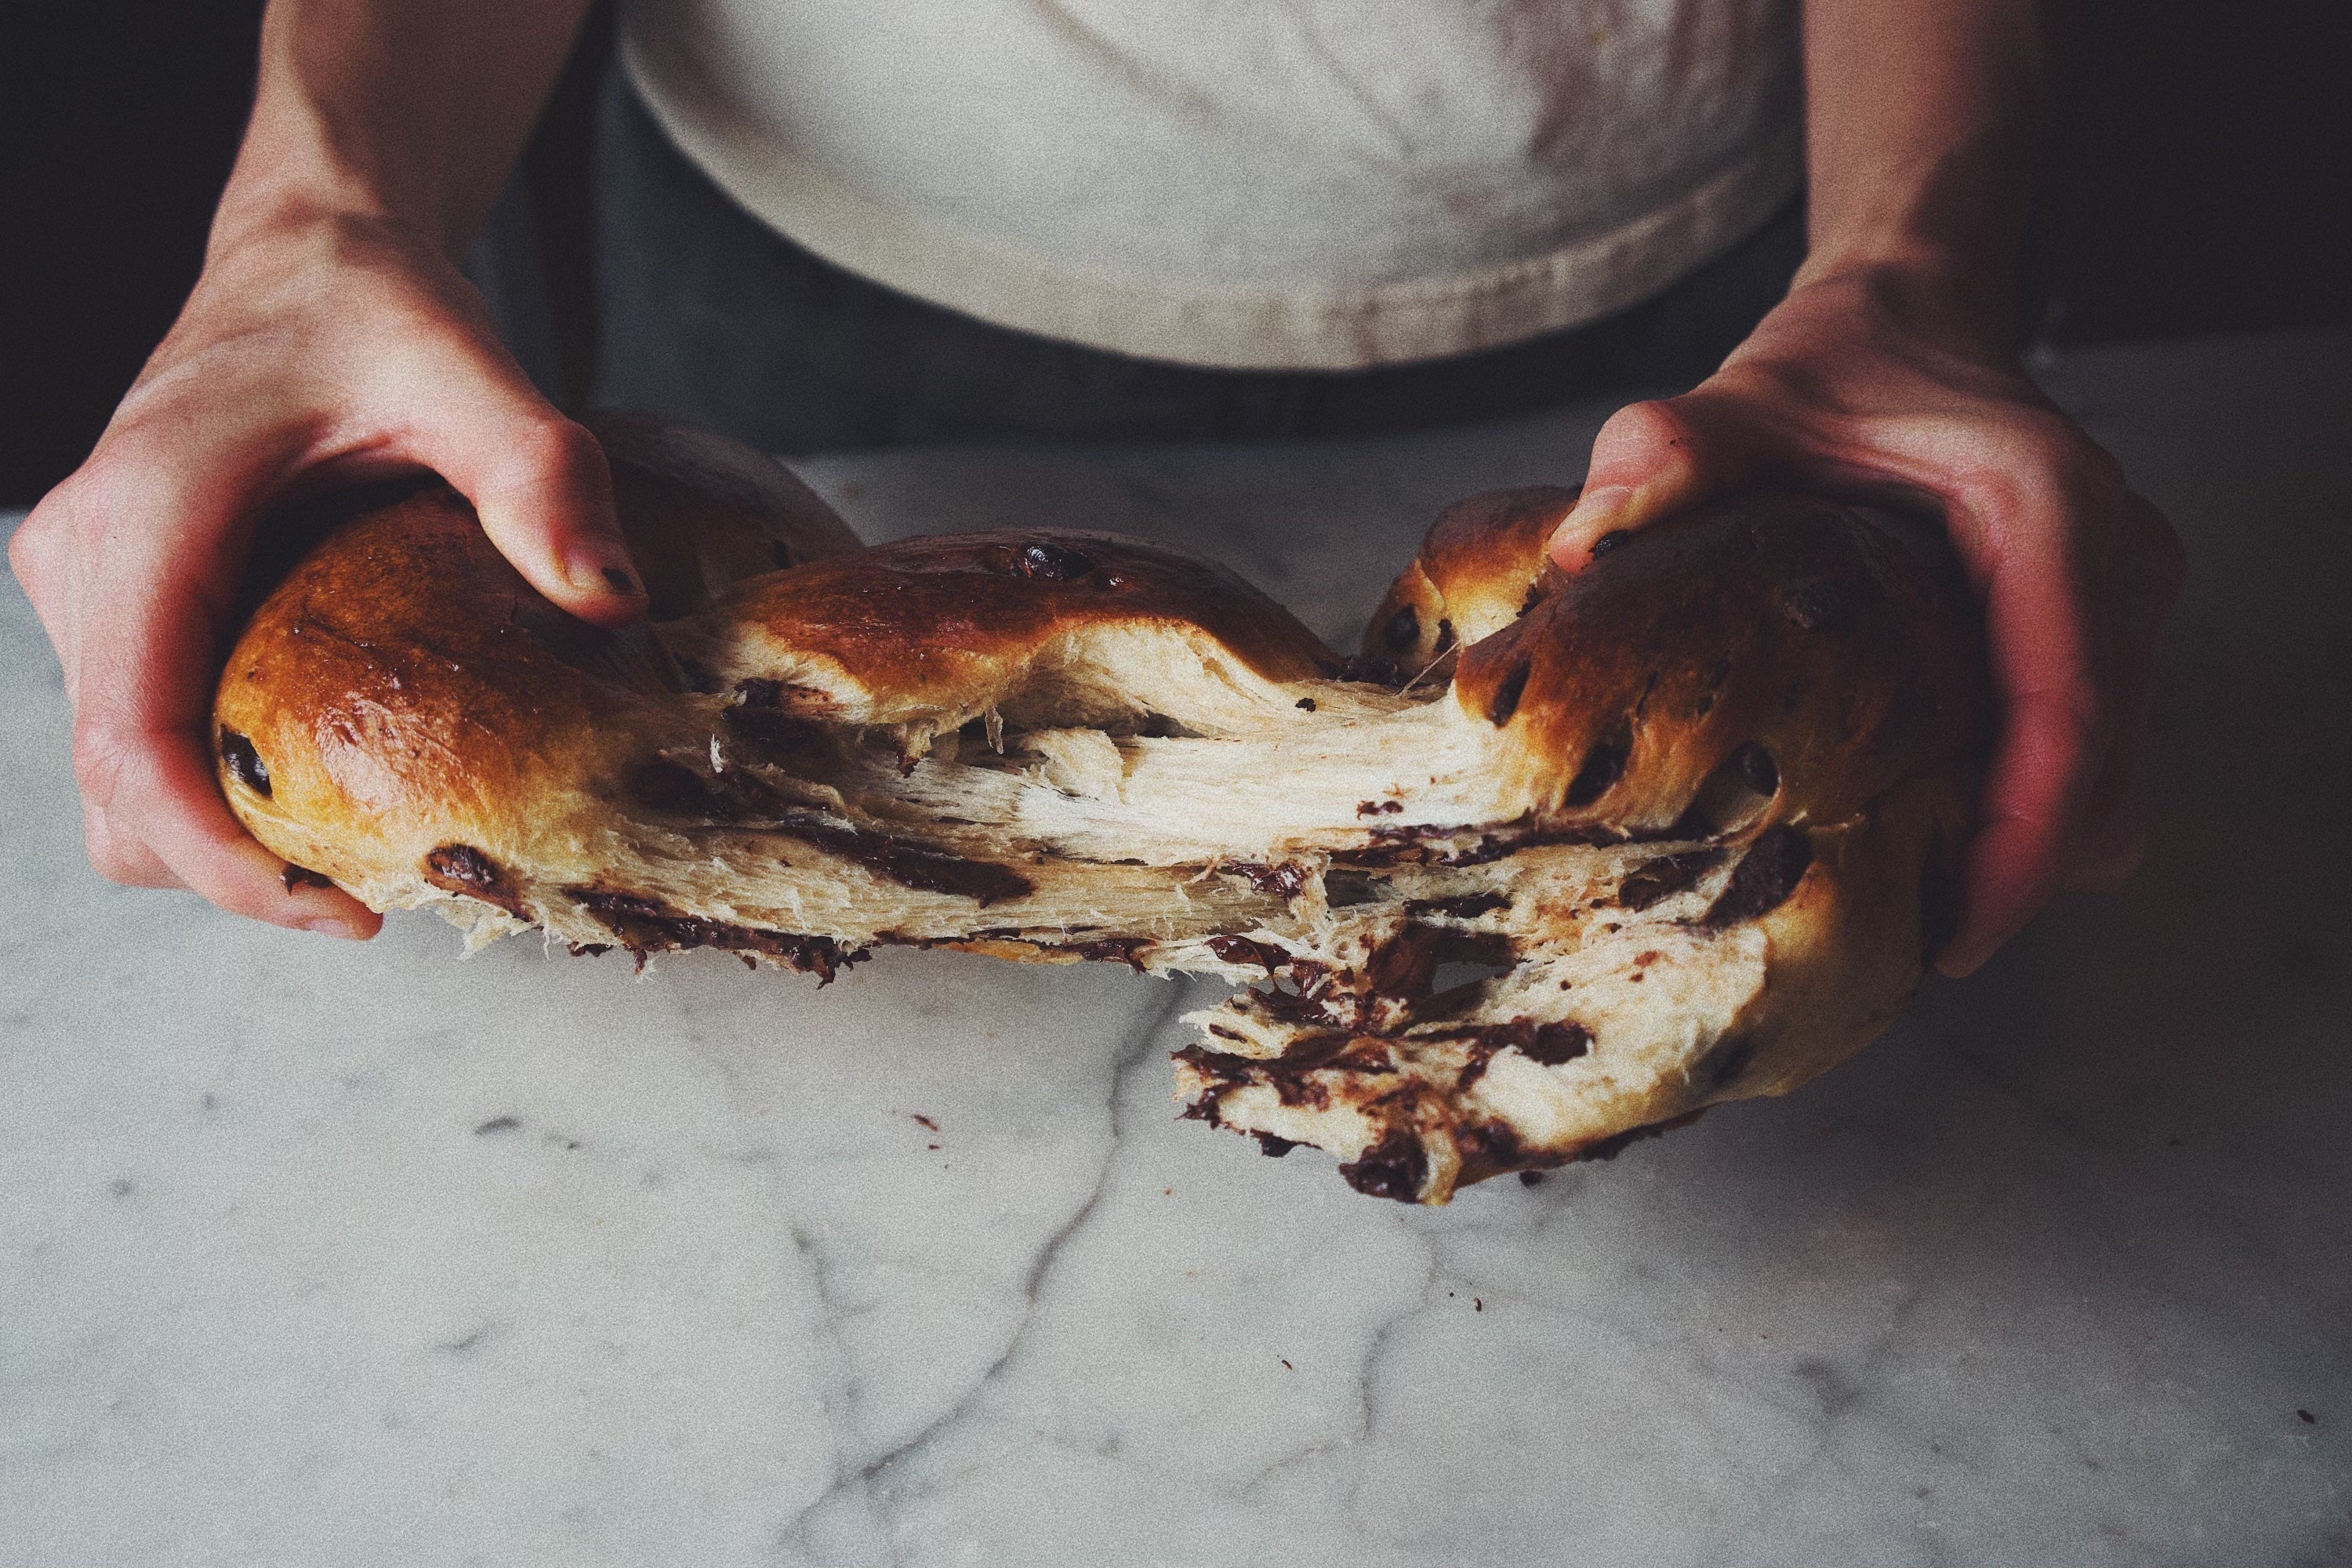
point(1872, 383)
point(313, 350)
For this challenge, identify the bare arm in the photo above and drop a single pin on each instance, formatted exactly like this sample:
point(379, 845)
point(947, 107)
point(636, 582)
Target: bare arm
point(1890, 372)
point(330, 335)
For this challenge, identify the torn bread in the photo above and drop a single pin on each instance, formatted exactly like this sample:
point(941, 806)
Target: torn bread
point(1556, 862)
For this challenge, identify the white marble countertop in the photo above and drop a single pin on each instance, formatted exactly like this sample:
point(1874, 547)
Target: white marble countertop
point(321, 1254)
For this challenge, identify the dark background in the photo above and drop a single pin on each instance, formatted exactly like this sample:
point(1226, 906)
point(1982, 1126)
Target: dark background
point(2200, 182)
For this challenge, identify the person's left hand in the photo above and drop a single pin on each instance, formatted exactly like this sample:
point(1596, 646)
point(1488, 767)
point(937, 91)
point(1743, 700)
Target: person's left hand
point(1875, 384)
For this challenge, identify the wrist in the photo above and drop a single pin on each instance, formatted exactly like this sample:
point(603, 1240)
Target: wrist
point(1962, 301)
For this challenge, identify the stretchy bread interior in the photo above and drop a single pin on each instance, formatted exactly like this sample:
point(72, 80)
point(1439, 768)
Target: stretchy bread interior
point(1687, 817)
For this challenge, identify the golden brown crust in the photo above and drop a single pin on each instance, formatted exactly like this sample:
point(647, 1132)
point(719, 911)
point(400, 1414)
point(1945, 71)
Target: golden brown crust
point(1697, 800)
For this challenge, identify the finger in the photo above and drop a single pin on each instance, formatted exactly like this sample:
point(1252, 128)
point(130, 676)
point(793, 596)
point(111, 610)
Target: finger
point(1650, 459)
point(159, 543)
point(163, 794)
point(538, 480)
point(2055, 722)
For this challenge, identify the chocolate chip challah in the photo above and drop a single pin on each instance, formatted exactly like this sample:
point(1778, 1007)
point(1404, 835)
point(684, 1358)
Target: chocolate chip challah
point(1688, 812)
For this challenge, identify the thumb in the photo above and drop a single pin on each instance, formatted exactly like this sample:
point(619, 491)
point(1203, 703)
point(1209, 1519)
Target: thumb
point(540, 483)
point(1649, 461)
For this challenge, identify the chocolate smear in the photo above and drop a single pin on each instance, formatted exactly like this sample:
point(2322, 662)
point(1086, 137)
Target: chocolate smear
point(462, 869)
point(1395, 1167)
point(1048, 563)
point(1764, 878)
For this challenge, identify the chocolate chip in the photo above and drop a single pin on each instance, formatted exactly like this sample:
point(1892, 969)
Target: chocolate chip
point(1609, 542)
point(1307, 703)
point(1604, 764)
point(1764, 878)
point(1402, 632)
point(294, 876)
point(1444, 635)
point(245, 763)
point(1531, 1178)
point(1050, 563)
point(1277, 1148)
point(1753, 766)
point(1507, 697)
point(1393, 1168)
point(464, 865)
point(1553, 1044)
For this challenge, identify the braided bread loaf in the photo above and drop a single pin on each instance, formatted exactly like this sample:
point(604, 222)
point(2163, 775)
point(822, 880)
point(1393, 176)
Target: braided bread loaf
point(1689, 811)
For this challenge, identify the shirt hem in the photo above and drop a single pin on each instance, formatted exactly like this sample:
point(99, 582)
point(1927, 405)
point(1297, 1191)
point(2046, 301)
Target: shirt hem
point(1222, 326)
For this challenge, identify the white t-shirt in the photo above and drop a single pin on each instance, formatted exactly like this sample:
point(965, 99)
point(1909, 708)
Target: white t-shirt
point(1270, 184)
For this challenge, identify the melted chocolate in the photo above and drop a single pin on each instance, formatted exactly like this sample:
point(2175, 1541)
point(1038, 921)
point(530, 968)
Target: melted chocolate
point(1048, 563)
point(1395, 1167)
point(1241, 950)
point(1753, 766)
point(1123, 948)
point(1282, 881)
point(1764, 878)
point(1461, 907)
point(911, 865)
point(761, 713)
point(294, 876)
point(736, 799)
point(1275, 1146)
point(1603, 766)
point(1609, 542)
point(245, 763)
point(646, 926)
point(462, 869)
point(1550, 1044)
point(1506, 696)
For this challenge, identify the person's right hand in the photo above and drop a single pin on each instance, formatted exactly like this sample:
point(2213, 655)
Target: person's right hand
point(314, 351)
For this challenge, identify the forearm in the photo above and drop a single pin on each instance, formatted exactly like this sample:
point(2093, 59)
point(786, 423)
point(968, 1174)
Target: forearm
point(1923, 140)
point(406, 112)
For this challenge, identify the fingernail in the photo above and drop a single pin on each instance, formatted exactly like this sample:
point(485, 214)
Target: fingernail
point(334, 928)
point(601, 569)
